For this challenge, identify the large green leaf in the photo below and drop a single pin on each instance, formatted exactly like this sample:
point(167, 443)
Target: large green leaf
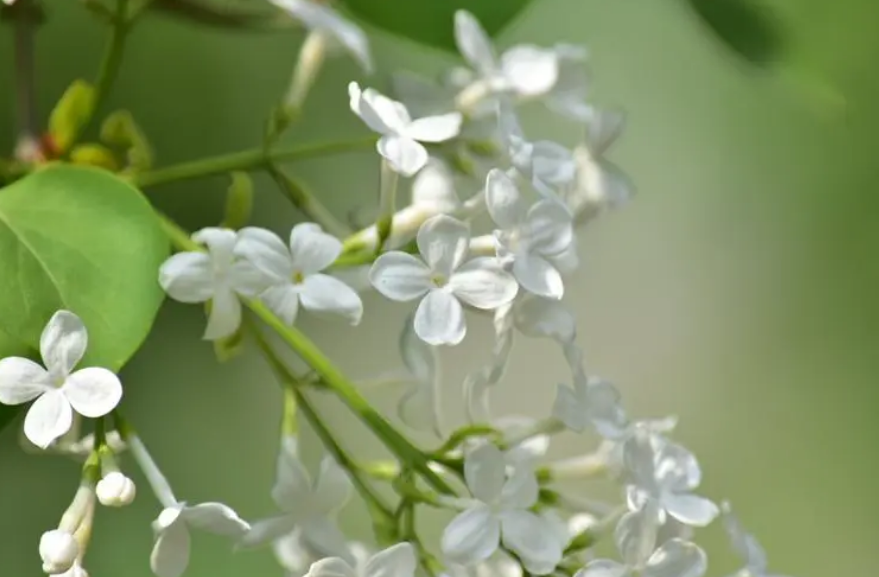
point(748, 28)
point(81, 239)
point(431, 22)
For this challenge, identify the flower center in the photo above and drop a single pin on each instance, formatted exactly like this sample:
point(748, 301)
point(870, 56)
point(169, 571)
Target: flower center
point(298, 277)
point(439, 280)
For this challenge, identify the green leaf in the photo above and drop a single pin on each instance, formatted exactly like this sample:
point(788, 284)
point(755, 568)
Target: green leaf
point(748, 28)
point(431, 22)
point(225, 15)
point(81, 239)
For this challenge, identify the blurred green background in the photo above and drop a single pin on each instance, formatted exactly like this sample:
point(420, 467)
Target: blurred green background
point(738, 291)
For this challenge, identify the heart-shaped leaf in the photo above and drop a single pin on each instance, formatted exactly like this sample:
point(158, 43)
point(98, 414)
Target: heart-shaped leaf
point(746, 27)
point(81, 239)
point(431, 22)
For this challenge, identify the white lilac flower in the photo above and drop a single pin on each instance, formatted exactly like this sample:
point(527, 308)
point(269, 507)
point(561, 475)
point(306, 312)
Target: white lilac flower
point(675, 558)
point(395, 561)
point(309, 506)
point(747, 547)
point(591, 401)
point(170, 554)
point(76, 570)
point(664, 474)
point(528, 236)
point(59, 550)
point(499, 514)
point(321, 18)
point(433, 188)
point(296, 557)
point(401, 139)
point(115, 490)
point(294, 274)
point(57, 390)
point(442, 280)
point(419, 406)
point(215, 276)
point(568, 95)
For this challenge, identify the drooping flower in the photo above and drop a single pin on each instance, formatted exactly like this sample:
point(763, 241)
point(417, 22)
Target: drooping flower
point(395, 561)
point(499, 514)
point(528, 237)
point(215, 276)
point(294, 273)
point(170, 554)
point(308, 506)
point(443, 279)
point(57, 390)
point(401, 139)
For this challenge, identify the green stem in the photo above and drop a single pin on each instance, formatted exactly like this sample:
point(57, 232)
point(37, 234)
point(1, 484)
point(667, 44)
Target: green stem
point(464, 433)
point(246, 160)
point(306, 202)
point(387, 204)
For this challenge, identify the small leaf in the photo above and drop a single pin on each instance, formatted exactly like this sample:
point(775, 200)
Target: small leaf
point(747, 27)
point(81, 239)
point(91, 154)
point(219, 15)
point(431, 22)
point(70, 114)
point(239, 201)
point(120, 130)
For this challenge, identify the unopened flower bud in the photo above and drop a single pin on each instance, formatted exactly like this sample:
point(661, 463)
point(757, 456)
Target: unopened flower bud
point(58, 550)
point(115, 490)
point(76, 571)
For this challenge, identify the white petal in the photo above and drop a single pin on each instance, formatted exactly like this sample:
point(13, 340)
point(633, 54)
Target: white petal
point(677, 558)
point(690, 509)
point(266, 252)
point(421, 359)
point(225, 315)
point(434, 186)
point(312, 249)
point(603, 128)
point(505, 205)
point(324, 538)
point(473, 42)
point(405, 155)
point(400, 276)
point(443, 243)
point(395, 561)
point(418, 407)
point(538, 276)
point(568, 409)
point(292, 487)
point(93, 392)
point(332, 487)
point(552, 163)
point(521, 488)
point(531, 70)
point(22, 380)
point(170, 554)
point(188, 277)
point(439, 319)
point(220, 243)
point(393, 114)
point(603, 568)
point(364, 110)
point(603, 402)
point(472, 536)
point(324, 294)
point(639, 453)
point(540, 317)
point(635, 536)
point(267, 530)
point(677, 468)
point(283, 300)
point(437, 128)
point(532, 539)
point(331, 567)
point(485, 472)
point(481, 283)
point(48, 418)
point(550, 227)
point(291, 553)
point(63, 343)
point(216, 518)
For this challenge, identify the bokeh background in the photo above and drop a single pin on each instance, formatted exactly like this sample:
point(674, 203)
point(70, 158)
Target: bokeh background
point(738, 291)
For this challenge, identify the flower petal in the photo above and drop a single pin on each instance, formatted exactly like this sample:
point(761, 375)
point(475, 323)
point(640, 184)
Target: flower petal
point(639, 453)
point(538, 276)
point(485, 472)
point(439, 319)
point(437, 128)
point(266, 251)
point(473, 42)
point(48, 418)
point(225, 316)
point(283, 300)
point(292, 487)
point(677, 558)
point(220, 243)
point(291, 553)
point(267, 530)
point(405, 155)
point(541, 317)
point(170, 554)
point(63, 343)
point(400, 276)
point(331, 567)
point(552, 163)
point(690, 509)
point(332, 487)
point(322, 293)
point(531, 70)
point(93, 392)
point(312, 249)
point(443, 243)
point(395, 561)
point(481, 283)
point(22, 380)
point(603, 568)
point(550, 227)
point(323, 538)
point(568, 409)
point(216, 518)
point(505, 205)
point(636, 535)
point(188, 277)
point(521, 488)
point(533, 539)
point(434, 186)
point(472, 536)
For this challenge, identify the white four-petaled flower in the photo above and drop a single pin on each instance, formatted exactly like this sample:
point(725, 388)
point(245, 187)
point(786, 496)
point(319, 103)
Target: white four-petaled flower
point(395, 561)
point(57, 390)
point(499, 514)
point(443, 279)
point(675, 558)
point(170, 554)
point(401, 139)
point(294, 273)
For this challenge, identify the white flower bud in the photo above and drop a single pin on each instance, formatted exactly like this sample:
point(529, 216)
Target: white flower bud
point(76, 571)
point(115, 490)
point(58, 550)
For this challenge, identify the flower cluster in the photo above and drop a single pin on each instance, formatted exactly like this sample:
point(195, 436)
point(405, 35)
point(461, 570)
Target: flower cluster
point(508, 514)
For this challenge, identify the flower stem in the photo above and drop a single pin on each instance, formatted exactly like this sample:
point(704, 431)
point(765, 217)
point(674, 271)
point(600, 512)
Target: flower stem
point(387, 204)
point(245, 160)
point(459, 436)
point(159, 484)
point(306, 202)
point(26, 14)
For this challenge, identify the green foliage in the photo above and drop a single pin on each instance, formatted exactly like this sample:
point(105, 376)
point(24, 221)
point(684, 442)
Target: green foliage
point(240, 15)
point(81, 239)
point(71, 112)
point(430, 21)
point(746, 27)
